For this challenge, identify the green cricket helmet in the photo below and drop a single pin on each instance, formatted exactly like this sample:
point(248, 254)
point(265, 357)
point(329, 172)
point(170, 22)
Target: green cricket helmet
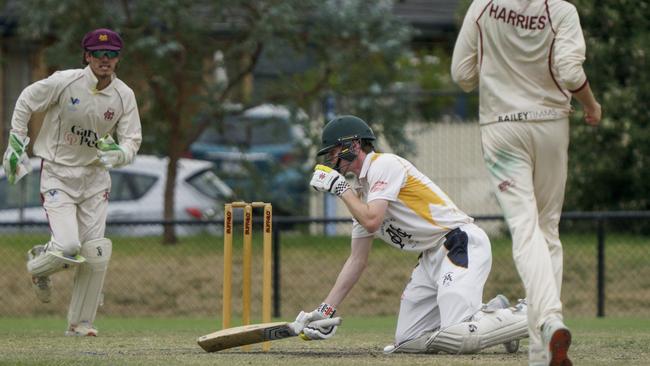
point(343, 130)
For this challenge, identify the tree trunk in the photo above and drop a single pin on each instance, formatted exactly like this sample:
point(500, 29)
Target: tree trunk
point(169, 233)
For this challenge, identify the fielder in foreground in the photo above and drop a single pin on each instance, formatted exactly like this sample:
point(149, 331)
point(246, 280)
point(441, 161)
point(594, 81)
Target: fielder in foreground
point(80, 106)
point(526, 59)
point(441, 308)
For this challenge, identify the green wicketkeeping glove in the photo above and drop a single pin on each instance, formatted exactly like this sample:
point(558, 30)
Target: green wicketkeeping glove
point(15, 161)
point(110, 154)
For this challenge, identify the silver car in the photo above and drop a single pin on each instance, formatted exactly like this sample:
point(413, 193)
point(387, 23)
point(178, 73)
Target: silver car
point(137, 194)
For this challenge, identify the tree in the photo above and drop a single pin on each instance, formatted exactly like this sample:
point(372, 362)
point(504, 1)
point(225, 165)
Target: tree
point(609, 165)
point(169, 56)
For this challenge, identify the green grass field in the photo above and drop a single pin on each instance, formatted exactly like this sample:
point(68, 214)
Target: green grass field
point(141, 341)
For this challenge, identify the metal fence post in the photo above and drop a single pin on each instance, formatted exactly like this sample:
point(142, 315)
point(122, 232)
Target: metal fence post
point(601, 267)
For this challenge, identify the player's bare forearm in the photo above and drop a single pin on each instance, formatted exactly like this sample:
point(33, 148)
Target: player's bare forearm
point(593, 112)
point(351, 271)
point(369, 215)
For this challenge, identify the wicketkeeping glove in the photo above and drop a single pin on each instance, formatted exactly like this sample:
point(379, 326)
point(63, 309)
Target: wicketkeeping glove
point(15, 160)
point(110, 154)
point(326, 179)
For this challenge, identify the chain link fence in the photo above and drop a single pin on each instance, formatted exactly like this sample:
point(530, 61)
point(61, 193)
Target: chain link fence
point(149, 279)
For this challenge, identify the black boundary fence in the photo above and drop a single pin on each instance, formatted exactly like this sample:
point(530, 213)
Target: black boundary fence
point(597, 221)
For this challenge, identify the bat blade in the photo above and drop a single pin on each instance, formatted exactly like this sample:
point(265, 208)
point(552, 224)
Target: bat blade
point(247, 334)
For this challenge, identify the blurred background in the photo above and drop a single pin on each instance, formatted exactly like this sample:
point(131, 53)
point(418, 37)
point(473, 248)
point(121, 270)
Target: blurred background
point(233, 95)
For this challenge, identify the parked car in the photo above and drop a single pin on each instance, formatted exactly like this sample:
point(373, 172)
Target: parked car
point(261, 154)
point(137, 194)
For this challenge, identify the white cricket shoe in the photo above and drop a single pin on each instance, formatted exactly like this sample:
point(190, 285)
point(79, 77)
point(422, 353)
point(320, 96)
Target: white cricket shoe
point(83, 329)
point(557, 339)
point(42, 285)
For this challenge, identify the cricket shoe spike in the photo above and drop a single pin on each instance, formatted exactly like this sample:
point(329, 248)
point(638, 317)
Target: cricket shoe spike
point(83, 329)
point(557, 339)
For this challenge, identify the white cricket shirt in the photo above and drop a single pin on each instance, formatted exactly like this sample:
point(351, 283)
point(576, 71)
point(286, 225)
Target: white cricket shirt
point(77, 115)
point(525, 56)
point(419, 213)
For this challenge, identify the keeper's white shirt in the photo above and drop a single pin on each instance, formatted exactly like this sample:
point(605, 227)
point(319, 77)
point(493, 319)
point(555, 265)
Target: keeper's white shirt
point(77, 116)
point(525, 56)
point(419, 213)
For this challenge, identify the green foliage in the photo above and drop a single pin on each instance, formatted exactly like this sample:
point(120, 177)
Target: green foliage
point(609, 165)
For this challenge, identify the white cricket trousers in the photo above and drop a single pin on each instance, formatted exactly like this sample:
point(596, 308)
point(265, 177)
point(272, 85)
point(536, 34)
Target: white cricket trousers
point(75, 200)
point(527, 162)
point(446, 286)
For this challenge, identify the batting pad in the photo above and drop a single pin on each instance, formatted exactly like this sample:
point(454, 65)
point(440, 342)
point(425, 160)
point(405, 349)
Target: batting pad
point(50, 262)
point(89, 281)
point(486, 330)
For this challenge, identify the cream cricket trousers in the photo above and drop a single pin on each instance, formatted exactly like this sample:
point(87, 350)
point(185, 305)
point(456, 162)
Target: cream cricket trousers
point(446, 287)
point(527, 162)
point(75, 200)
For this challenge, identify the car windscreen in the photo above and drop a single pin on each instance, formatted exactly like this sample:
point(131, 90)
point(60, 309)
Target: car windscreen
point(207, 182)
point(249, 132)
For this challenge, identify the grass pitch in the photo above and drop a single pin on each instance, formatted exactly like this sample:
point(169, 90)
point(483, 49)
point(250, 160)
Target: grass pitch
point(137, 341)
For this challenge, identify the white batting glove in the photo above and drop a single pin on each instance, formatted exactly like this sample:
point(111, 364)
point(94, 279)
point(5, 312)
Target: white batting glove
point(326, 179)
point(323, 311)
point(15, 160)
point(110, 154)
point(317, 332)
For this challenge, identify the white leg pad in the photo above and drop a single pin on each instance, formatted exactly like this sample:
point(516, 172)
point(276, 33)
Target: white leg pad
point(416, 345)
point(50, 261)
point(485, 330)
point(89, 281)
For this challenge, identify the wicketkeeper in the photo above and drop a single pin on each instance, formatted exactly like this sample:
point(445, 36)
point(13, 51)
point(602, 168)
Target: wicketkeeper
point(83, 108)
point(441, 308)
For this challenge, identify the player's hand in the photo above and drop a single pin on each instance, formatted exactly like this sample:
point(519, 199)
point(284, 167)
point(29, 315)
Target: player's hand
point(110, 154)
point(15, 161)
point(323, 311)
point(316, 331)
point(326, 179)
point(593, 114)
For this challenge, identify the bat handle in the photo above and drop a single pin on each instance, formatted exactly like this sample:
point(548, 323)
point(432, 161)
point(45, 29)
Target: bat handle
point(327, 322)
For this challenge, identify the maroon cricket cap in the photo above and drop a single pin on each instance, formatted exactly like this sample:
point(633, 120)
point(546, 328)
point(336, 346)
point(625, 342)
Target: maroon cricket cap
point(102, 39)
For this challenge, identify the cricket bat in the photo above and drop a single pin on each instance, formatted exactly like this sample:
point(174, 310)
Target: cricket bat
point(250, 334)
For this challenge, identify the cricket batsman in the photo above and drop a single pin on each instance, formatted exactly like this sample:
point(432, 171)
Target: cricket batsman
point(83, 108)
point(441, 307)
point(525, 57)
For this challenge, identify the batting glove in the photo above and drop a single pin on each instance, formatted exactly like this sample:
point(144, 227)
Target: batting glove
point(323, 311)
point(110, 154)
point(326, 179)
point(15, 160)
point(315, 332)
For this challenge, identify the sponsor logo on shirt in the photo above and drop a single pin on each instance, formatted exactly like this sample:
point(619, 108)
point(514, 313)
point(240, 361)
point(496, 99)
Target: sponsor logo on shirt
point(390, 230)
point(378, 186)
point(74, 102)
point(80, 136)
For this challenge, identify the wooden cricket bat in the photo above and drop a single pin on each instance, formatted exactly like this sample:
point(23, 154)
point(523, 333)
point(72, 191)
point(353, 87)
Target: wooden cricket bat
point(250, 334)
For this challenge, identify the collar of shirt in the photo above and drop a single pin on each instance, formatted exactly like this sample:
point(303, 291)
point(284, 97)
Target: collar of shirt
point(92, 80)
point(366, 165)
